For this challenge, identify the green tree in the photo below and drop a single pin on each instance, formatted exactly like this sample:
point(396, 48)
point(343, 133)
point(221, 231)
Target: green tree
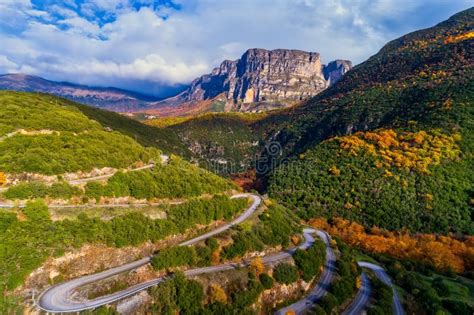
point(285, 273)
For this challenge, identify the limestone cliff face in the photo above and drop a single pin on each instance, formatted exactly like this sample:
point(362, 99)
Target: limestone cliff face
point(334, 71)
point(264, 76)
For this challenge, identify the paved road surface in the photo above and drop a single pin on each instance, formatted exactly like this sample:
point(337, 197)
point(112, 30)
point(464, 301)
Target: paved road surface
point(362, 298)
point(323, 284)
point(385, 278)
point(56, 299)
point(256, 200)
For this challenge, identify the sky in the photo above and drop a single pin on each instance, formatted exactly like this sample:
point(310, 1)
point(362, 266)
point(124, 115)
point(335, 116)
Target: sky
point(156, 47)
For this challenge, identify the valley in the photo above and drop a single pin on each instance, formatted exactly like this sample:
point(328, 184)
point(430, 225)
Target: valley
point(273, 185)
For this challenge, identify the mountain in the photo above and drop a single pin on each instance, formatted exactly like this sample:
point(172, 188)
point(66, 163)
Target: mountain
point(391, 144)
point(107, 98)
point(261, 79)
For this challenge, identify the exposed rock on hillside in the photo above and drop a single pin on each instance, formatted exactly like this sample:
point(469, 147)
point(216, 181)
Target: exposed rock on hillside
point(263, 76)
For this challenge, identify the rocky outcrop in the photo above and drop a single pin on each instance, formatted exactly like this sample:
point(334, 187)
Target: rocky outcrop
point(264, 76)
point(334, 71)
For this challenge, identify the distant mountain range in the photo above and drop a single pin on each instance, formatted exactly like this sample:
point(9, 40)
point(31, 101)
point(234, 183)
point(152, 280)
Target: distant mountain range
point(260, 80)
point(107, 98)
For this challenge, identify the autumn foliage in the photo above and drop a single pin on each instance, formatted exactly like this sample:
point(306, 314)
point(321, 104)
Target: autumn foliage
point(459, 37)
point(257, 265)
point(3, 179)
point(441, 252)
point(217, 294)
point(409, 150)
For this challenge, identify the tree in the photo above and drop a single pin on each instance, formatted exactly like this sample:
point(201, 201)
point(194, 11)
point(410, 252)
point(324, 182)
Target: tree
point(174, 257)
point(257, 265)
point(266, 281)
point(328, 302)
point(36, 211)
point(217, 294)
point(189, 294)
point(3, 179)
point(285, 273)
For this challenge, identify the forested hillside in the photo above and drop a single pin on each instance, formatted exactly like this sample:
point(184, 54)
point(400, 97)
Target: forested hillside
point(42, 134)
point(224, 143)
point(391, 144)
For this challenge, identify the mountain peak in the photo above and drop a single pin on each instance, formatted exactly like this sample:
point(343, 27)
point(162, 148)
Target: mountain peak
point(263, 79)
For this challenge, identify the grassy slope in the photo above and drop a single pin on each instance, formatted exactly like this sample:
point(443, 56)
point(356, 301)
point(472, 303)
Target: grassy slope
point(146, 135)
point(420, 82)
point(59, 138)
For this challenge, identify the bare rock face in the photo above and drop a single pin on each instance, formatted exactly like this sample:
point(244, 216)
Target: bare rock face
point(264, 76)
point(334, 71)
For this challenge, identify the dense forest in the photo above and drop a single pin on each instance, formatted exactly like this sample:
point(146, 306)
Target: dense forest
point(443, 253)
point(391, 144)
point(369, 188)
point(215, 138)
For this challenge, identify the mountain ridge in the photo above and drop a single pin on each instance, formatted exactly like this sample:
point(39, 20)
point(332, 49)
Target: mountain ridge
point(110, 98)
point(272, 78)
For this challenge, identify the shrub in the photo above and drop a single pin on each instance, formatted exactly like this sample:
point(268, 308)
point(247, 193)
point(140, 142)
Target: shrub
point(277, 225)
point(285, 273)
point(36, 211)
point(310, 261)
point(27, 191)
point(174, 256)
point(266, 281)
point(318, 310)
point(328, 302)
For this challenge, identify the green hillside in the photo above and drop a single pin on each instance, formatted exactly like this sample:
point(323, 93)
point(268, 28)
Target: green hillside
point(164, 139)
point(44, 134)
point(415, 168)
point(215, 138)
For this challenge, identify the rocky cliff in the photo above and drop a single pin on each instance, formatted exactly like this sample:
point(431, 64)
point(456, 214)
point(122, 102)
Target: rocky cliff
point(264, 76)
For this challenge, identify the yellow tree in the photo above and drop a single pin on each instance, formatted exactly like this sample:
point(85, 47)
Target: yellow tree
point(257, 265)
point(3, 179)
point(217, 294)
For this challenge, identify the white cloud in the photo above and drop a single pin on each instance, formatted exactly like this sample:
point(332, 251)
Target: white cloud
point(141, 45)
point(6, 65)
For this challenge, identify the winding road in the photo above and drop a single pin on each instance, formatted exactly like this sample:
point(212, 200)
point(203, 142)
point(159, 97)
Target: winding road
point(85, 180)
point(78, 182)
point(363, 295)
point(322, 287)
point(56, 299)
point(106, 176)
point(362, 298)
point(385, 278)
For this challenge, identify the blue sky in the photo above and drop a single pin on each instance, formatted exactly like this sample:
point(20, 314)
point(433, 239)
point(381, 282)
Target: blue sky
point(156, 46)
